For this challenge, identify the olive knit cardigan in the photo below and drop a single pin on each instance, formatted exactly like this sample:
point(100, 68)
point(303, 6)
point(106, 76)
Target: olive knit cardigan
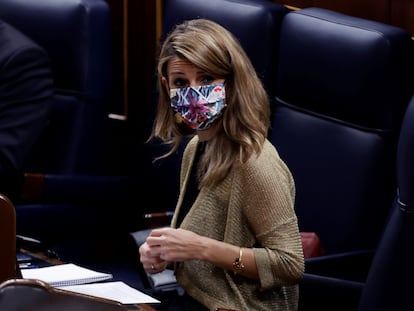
point(252, 207)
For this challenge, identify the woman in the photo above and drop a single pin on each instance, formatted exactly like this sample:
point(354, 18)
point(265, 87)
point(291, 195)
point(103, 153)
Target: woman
point(234, 239)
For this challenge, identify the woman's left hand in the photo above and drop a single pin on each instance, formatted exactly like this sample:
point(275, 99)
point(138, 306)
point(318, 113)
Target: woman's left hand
point(175, 244)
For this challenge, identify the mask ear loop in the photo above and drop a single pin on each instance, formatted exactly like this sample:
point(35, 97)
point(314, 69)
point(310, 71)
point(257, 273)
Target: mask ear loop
point(178, 119)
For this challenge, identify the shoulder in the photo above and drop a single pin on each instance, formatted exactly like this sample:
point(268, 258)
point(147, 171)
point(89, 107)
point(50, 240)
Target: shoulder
point(267, 166)
point(268, 158)
point(15, 44)
point(25, 70)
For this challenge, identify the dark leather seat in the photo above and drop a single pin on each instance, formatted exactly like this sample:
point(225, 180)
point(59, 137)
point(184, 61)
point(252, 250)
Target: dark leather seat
point(245, 19)
point(36, 295)
point(342, 89)
point(389, 282)
point(68, 198)
point(7, 239)
point(77, 38)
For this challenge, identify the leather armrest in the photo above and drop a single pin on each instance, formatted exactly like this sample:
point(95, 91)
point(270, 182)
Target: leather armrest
point(328, 293)
point(40, 188)
point(353, 265)
point(334, 282)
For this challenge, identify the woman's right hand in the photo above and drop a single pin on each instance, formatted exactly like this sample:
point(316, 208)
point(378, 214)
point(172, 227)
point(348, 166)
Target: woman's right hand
point(150, 259)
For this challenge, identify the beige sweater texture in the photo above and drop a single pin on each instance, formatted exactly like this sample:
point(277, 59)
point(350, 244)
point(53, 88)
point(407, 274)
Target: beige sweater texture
point(253, 207)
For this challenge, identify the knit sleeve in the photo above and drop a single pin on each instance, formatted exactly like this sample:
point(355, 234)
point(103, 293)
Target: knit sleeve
point(269, 196)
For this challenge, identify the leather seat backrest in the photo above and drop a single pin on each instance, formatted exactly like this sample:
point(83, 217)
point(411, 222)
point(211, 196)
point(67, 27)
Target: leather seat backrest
point(342, 89)
point(76, 35)
point(245, 19)
point(36, 295)
point(389, 282)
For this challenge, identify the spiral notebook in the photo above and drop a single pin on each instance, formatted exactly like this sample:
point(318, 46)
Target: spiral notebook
point(65, 275)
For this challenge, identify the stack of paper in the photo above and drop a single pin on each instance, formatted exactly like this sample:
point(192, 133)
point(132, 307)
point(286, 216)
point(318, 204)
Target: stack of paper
point(65, 275)
point(75, 278)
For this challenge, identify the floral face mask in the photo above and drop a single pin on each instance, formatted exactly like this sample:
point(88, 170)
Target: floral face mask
point(199, 106)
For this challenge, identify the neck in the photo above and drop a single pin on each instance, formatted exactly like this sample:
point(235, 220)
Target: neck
point(207, 134)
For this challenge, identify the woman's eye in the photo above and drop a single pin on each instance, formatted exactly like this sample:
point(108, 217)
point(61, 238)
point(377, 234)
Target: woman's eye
point(207, 80)
point(179, 83)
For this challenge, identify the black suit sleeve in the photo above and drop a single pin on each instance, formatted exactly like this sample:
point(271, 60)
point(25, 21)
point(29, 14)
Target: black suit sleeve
point(26, 89)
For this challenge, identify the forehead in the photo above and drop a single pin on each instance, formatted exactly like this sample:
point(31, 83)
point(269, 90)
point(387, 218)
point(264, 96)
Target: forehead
point(181, 66)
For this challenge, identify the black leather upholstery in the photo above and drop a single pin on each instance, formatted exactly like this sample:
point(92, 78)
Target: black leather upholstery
point(76, 35)
point(36, 295)
point(342, 91)
point(69, 203)
point(255, 23)
point(388, 285)
point(343, 87)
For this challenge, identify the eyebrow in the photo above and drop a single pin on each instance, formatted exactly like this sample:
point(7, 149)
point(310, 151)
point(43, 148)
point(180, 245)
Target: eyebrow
point(176, 73)
point(199, 73)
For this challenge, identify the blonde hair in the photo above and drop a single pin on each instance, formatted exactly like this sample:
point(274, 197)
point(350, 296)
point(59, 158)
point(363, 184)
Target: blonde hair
point(244, 126)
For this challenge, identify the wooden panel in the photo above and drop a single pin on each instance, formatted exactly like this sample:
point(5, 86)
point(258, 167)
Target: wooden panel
point(117, 15)
point(134, 26)
point(141, 56)
point(402, 14)
point(370, 9)
point(297, 3)
point(134, 35)
point(395, 12)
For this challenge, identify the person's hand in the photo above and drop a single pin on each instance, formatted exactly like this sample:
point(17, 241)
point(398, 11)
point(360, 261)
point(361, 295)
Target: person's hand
point(150, 259)
point(169, 245)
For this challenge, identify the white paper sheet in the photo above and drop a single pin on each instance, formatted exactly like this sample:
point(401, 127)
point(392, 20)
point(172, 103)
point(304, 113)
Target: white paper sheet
point(118, 291)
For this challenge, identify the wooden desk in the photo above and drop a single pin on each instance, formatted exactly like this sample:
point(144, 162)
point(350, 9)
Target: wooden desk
point(54, 261)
